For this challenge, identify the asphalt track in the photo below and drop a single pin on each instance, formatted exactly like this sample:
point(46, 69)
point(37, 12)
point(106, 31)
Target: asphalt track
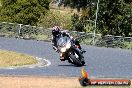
point(100, 62)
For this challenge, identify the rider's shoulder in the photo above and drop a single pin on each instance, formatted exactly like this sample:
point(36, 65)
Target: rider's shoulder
point(65, 31)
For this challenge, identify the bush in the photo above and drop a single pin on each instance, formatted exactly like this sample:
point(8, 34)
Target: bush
point(77, 24)
point(23, 11)
point(56, 17)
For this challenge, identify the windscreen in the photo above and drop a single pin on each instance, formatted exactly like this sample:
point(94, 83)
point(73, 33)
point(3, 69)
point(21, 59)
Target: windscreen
point(62, 41)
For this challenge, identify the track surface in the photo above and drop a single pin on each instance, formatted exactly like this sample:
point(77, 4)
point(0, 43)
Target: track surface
point(100, 62)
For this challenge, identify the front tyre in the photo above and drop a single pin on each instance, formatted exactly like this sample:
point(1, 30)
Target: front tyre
point(82, 61)
point(75, 61)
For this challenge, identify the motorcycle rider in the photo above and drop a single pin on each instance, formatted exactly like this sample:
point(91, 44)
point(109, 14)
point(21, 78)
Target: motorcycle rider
point(56, 32)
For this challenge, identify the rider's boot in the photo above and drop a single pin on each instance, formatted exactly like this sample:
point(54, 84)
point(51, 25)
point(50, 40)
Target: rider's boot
point(83, 51)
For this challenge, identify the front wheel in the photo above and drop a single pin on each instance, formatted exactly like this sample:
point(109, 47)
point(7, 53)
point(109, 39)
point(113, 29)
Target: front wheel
point(82, 61)
point(75, 60)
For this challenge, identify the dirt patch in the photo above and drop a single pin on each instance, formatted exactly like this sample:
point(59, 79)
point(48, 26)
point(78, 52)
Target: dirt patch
point(39, 82)
point(42, 82)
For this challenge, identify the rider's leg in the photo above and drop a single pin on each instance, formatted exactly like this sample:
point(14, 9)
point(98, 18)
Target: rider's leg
point(54, 43)
point(77, 43)
point(79, 46)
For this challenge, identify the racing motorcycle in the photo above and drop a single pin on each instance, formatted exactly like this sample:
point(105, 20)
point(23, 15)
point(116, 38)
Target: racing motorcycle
point(69, 51)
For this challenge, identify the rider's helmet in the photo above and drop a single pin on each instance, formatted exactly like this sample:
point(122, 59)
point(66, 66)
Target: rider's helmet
point(56, 31)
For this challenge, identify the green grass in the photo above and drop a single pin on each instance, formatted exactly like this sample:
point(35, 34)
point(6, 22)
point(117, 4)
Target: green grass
point(0, 3)
point(39, 36)
point(8, 34)
point(9, 58)
point(128, 45)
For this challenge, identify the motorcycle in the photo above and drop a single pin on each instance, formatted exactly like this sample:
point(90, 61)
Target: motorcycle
point(69, 51)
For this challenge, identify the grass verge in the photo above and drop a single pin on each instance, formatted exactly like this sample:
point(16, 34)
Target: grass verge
point(9, 58)
point(0, 3)
point(128, 45)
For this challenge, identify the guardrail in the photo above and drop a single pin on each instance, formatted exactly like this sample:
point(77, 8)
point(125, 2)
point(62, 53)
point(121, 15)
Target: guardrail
point(24, 31)
point(40, 33)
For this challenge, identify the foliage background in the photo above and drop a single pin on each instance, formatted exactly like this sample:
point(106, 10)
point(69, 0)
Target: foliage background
point(23, 11)
point(56, 17)
point(114, 17)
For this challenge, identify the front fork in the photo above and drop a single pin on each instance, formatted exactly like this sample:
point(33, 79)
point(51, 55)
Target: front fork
point(62, 57)
point(78, 52)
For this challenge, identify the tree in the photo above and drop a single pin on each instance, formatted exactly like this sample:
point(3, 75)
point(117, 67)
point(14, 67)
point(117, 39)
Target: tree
point(77, 25)
point(53, 18)
point(114, 16)
point(23, 11)
point(84, 7)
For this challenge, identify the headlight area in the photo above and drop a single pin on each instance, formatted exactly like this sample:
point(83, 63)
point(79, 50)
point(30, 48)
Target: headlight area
point(68, 45)
point(63, 49)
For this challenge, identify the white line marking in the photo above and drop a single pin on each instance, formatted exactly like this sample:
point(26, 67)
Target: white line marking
point(11, 68)
point(48, 62)
point(41, 63)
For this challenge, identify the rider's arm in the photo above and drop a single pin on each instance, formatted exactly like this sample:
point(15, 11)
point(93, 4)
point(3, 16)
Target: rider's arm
point(67, 34)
